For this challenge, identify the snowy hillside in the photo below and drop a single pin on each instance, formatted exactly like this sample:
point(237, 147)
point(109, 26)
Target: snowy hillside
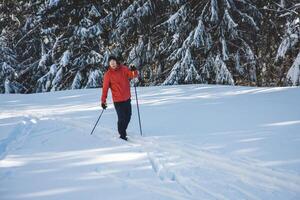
point(201, 142)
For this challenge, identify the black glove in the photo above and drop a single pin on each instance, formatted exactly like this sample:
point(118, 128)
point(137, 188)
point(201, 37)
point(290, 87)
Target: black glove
point(132, 67)
point(104, 106)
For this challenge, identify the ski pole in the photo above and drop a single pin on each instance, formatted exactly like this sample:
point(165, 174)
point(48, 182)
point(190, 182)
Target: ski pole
point(137, 104)
point(97, 121)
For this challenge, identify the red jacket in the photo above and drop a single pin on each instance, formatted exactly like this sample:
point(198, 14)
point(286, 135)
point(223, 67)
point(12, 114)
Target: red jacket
point(118, 81)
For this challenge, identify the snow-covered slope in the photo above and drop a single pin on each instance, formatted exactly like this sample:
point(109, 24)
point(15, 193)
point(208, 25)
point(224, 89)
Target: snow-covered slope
point(200, 142)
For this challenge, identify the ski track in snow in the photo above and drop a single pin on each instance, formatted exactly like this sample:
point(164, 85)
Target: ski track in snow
point(160, 156)
point(257, 176)
point(17, 136)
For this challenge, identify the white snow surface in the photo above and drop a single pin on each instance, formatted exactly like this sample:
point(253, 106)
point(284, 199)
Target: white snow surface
point(199, 142)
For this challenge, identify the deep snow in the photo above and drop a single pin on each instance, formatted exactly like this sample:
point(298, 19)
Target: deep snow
point(201, 142)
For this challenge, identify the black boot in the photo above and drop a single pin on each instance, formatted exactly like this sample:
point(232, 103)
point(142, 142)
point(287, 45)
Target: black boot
point(124, 137)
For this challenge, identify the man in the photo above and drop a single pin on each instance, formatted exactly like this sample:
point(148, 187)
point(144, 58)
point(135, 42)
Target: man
point(117, 79)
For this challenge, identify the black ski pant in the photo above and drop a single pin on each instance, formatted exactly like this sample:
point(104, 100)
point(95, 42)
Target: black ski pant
point(124, 114)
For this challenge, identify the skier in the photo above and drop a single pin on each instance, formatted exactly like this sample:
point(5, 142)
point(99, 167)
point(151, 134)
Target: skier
point(117, 79)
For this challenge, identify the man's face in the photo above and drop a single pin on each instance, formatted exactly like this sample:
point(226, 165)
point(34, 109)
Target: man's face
point(113, 64)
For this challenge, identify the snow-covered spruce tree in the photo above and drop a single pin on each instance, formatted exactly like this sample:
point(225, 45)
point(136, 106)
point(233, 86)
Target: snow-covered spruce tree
point(219, 38)
point(176, 28)
point(26, 43)
point(63, 41)
point(272, 69)
point(288, 53)
point(142, 54)
point(130, 38)
point(72, 38)
point(9, 64)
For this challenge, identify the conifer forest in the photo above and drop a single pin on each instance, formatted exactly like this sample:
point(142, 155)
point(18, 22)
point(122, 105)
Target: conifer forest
point(49, 45)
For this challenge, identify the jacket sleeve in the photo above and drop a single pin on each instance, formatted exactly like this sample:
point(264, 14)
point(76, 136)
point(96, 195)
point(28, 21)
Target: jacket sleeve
point(131, 74)
point(105, 87)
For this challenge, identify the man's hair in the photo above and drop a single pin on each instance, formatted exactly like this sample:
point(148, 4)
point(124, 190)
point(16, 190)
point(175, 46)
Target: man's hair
point(112, 57)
